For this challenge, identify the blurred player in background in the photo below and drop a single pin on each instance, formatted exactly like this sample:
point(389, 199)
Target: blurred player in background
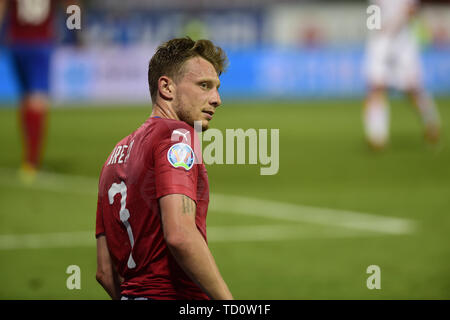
point(30, 37)
point(393, 61)
point(153, 193)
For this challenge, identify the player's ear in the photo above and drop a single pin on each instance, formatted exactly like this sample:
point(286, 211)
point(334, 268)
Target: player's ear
point(166, 87)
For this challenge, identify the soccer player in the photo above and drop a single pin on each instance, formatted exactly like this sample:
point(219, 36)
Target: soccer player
point(393, 61)
point(153, 190)
point(30, 36)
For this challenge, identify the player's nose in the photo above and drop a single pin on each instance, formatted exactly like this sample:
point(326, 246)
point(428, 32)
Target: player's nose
point(215, 99)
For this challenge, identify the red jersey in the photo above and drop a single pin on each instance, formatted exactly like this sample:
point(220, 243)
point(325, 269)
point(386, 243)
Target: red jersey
point(154, 161)
point(31, 21)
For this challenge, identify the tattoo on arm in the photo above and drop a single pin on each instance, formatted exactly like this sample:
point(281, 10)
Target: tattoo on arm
point(188, 205)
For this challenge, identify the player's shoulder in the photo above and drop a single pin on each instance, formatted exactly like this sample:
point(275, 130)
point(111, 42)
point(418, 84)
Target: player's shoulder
point(169, 125)
point(172, 130)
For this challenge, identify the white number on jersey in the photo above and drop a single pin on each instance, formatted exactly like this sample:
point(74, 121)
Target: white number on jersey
point(124, 214)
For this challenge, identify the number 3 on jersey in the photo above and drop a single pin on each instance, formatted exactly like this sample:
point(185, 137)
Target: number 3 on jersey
point(124, 214)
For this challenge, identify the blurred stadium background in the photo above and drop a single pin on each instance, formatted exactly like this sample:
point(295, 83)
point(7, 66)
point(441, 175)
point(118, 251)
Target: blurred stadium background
point(309, 232)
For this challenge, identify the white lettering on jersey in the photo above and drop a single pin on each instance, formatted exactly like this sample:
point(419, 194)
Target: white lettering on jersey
point(122, 154)
point(129, 151)
point(111, 156)
point(118, 155)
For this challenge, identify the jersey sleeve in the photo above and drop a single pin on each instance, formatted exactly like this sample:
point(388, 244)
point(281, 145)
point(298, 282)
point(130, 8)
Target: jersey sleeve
point(175, 168)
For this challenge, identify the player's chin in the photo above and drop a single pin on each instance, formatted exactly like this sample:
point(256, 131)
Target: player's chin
point(205, 124)
point(196, 124)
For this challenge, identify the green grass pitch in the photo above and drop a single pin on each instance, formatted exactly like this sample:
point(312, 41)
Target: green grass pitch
point(324, 163)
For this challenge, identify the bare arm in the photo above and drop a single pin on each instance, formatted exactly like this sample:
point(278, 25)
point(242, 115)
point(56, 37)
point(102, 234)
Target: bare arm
point(188, 246)
point(106, 273)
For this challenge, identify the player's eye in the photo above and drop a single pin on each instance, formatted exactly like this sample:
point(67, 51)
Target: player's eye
point(204, 85)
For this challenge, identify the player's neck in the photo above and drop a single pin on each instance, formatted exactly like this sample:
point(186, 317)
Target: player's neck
point(163, 111)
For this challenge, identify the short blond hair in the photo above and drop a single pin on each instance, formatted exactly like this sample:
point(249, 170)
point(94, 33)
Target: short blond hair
point(170, 56)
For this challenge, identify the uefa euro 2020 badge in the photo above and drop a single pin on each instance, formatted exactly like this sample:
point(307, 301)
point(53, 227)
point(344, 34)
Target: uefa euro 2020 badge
point(181, 155)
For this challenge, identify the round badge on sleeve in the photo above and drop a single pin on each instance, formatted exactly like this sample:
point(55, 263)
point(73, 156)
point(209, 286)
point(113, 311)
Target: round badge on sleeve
point(181, 155)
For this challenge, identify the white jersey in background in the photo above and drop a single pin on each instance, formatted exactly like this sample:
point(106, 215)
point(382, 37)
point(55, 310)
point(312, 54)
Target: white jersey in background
point(395, 15)
point(393, 61)
point(392, 53)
